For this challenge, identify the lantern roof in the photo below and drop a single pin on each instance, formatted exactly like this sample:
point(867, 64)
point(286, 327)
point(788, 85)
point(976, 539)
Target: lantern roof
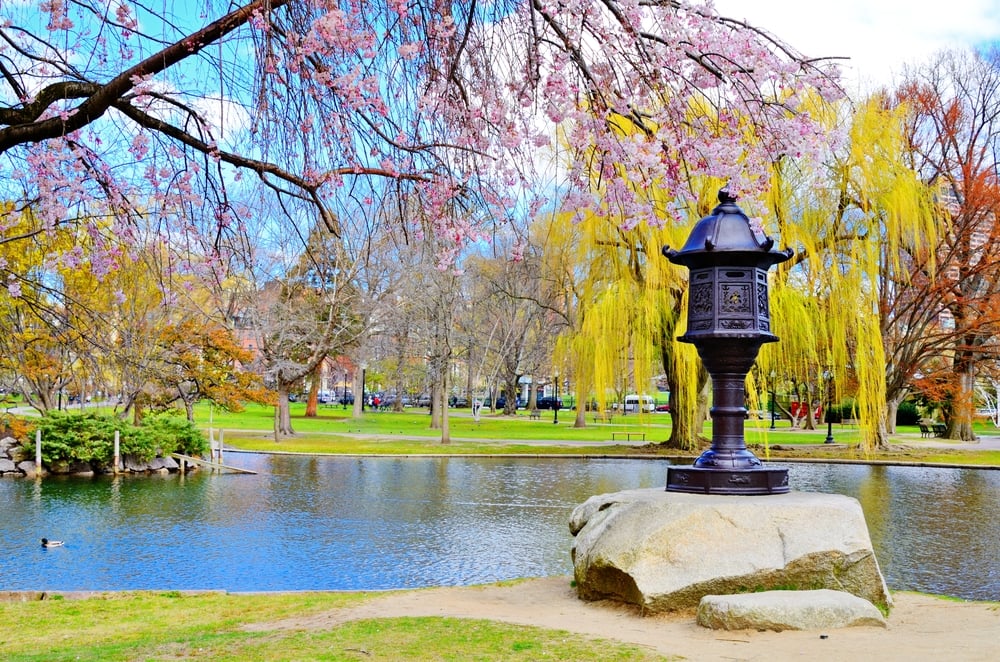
point(725, 238)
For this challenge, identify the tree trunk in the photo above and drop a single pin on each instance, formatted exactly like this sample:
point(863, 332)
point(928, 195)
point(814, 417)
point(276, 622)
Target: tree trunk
point(359, 394)
point(582, 400)
point(510, 391)
point(312, 403)
point(809, 419)
point(960, 422)
point(436, 408)
point(891, 409)
point(283, 420)
point(442, 402)
point(686, 422)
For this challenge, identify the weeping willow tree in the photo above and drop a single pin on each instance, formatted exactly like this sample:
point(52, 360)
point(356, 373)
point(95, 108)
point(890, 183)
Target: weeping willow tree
point(855, 227)
point(856, 223)
point(629, 309)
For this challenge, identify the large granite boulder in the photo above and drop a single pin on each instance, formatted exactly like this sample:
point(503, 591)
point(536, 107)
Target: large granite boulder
point(664, 551)
point(788, 610)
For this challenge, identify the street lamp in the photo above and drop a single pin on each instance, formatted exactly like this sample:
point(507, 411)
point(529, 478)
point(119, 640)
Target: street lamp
point(728, 320)
point(555, 407)
point(774, 395)
point(828, 377)
point(343, 399)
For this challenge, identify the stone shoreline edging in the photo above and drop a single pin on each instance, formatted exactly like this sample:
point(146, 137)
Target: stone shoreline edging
point(16, 460)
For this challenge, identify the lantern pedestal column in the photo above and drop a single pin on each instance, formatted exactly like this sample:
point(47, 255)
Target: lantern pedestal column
point(728, 467)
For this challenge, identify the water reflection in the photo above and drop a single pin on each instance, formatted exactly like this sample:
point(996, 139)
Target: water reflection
point(373, 523)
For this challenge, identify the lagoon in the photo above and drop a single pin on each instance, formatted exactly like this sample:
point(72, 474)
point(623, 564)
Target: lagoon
point(366, 523)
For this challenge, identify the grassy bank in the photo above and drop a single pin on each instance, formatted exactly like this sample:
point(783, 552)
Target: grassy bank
point(336, 431)
point(215, 626)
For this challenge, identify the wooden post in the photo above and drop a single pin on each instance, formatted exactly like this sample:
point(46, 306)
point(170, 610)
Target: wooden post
point(118, 453)
point(221, 435)
point(38, 453)
point(211, 431)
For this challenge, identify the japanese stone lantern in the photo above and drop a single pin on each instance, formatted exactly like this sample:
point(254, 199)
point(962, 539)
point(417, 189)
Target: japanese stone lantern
point(728, 321)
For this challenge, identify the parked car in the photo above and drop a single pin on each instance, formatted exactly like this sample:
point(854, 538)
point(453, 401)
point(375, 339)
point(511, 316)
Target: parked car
point(458, 401)
point(662, 408)
point(548, 403)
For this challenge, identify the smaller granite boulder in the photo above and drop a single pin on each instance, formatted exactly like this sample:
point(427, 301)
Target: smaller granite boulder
point(788, 610)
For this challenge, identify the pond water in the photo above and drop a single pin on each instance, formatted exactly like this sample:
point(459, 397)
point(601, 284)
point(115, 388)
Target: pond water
point(318, 523)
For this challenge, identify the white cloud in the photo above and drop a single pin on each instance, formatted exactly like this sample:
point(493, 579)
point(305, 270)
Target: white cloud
point(880, 36)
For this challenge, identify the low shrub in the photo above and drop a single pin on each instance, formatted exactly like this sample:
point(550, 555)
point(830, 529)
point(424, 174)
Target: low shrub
point(907, 413)
point(89, 437)
point(847, 409)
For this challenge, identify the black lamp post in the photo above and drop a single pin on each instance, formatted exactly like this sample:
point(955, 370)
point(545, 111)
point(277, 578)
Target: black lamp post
point(828, 377)
point(774, 394)
point(728, 321)
point(343, 400)
point(555, 406)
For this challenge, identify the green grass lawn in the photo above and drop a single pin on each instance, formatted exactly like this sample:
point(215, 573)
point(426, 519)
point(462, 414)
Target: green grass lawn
point(334, 420)
point(215, 626)
point(336, 431)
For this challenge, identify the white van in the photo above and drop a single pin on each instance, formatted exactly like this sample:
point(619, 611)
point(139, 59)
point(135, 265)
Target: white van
point(639, 403)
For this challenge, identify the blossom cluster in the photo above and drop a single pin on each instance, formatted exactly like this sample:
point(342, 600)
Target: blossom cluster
point(454, 102)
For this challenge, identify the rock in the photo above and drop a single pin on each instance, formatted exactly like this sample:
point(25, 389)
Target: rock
point(19, 453)
point(134, 464)
point(664, 551)
point(81, 468)
point(787, 610)
point(163, 464)
point(7, 466)
point(6, 444)
point(27, 467)
point(21, 596)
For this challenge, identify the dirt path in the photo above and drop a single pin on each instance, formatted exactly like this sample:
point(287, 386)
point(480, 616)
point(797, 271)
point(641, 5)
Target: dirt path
point(920, 627)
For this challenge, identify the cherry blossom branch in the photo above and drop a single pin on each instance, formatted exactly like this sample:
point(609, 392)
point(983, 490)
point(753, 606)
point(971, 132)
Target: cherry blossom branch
point(98, 102)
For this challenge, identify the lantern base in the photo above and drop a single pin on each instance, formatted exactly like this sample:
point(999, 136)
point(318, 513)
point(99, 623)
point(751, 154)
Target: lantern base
point(745, 482)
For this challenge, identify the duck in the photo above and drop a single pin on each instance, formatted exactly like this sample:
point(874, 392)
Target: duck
point(51, 543)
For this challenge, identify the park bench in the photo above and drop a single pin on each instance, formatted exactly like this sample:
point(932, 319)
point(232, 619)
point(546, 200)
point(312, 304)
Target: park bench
point(627, 436)
point(925, 430)
point(939, 429)
point(535, 414)
point(602, 416)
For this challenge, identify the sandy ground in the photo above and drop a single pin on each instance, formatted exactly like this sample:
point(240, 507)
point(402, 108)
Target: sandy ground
point(920, 627)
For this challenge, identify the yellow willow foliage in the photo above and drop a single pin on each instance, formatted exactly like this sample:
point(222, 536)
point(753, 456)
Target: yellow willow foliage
point(629, 296)
point(825, 302)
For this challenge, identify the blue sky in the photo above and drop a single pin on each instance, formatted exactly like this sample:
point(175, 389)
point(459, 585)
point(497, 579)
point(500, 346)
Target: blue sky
point(878, 35)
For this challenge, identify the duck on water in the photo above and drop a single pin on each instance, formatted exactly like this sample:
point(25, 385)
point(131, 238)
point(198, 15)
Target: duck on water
point(51, 543)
